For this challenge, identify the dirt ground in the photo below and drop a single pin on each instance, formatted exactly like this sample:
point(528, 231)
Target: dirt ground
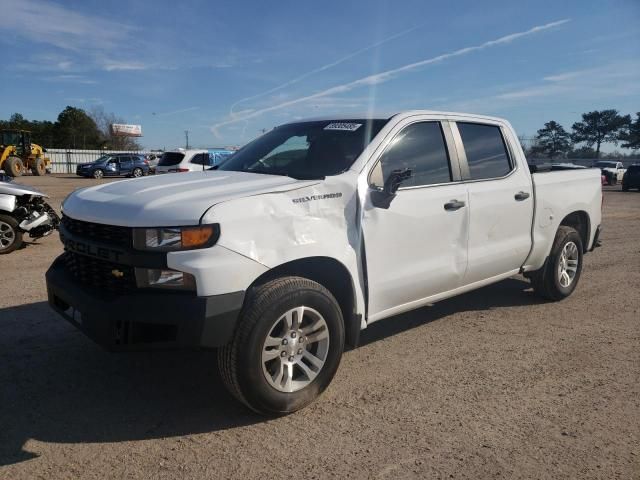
point(492, 384)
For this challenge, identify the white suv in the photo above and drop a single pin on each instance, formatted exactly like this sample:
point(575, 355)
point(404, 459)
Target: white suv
point(184, 161)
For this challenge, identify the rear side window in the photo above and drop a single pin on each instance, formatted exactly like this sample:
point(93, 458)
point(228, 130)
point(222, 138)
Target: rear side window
point(486, 151)
point(170, 158)
point(421, 148)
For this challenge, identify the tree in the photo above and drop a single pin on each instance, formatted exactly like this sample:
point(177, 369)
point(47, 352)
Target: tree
point(631, 135)
point(552, 140)
point(76, 129)
point(582, 152)
point(598, 127)
point(104, 121)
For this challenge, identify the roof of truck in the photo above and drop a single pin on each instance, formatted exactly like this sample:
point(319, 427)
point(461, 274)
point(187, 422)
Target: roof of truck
point(389, 115)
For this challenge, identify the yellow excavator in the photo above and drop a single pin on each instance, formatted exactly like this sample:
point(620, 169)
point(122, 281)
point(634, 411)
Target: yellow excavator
point(18, 154)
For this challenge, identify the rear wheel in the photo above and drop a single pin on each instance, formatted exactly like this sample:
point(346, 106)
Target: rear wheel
point(287, 346)
point(559, 276)
point(98, 173)
point(10, 234)
point(13, 166)
point(39, 168)
point(137, 172)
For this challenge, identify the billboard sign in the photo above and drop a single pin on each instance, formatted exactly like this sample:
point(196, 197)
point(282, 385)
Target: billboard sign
point(122, 130)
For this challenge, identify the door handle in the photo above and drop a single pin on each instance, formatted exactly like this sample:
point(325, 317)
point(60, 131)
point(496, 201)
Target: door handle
point(521, 196)
point(454, 205)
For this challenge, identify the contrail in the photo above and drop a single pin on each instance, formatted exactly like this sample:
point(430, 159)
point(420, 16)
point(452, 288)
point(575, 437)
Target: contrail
point(323, 68)
point(387, 75)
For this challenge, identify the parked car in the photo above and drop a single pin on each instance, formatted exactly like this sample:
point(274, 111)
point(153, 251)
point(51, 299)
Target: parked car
point(152, 160)
point(631, 178)
point(115, 165)
point(311, 233)
point(613, 171)
point(184, 161)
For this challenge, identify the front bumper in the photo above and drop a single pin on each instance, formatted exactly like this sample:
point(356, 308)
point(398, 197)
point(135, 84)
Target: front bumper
point(143, 319)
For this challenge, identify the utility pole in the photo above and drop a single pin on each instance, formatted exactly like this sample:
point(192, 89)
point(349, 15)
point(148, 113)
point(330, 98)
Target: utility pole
point(186, 136)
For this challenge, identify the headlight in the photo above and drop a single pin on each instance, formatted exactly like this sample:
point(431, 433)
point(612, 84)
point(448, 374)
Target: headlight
point(168, 239)
point(164, 278)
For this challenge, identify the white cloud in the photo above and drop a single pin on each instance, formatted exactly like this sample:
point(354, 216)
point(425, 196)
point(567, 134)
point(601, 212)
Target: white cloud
point(49, 23)
point(322, 68)
point(387, 75)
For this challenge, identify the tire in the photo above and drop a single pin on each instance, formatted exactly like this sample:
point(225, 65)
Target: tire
point(260, 384)
point(39, 169)
point(13, 166)
point(550, 281)
point(10, 235)
point(137, 172)
point(98, 174)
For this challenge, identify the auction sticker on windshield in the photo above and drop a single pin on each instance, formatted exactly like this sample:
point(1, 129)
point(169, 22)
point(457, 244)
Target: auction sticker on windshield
point(349, 127)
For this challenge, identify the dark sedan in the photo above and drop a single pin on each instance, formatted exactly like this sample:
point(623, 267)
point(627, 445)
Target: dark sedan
point(631, 178)
point(115, 165)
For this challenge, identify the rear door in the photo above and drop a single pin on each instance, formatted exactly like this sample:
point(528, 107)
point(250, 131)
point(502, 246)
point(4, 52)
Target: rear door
point(126, 165)
point(500, 201)
point(417, 247)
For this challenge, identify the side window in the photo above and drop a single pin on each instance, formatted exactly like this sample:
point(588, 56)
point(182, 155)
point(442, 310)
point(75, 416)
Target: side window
point(486, 151)
point(420, 147)
point(201, 159)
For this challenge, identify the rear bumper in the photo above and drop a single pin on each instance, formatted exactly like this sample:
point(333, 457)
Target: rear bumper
point(143, 319)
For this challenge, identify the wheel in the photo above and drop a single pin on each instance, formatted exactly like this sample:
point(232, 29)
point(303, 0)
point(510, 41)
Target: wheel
point(39, 169)
point(98, 173)
point(13, 166)
point(10, 235)
point(558, 278)
point(286, 348)
point(137, 172)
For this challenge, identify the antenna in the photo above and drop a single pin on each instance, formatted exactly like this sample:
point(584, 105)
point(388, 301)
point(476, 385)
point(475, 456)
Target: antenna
point(186, 136)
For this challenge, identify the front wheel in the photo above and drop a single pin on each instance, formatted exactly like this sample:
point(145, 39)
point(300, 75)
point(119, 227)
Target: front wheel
point(10, 234)
point(98, 174)
point(559, 276)
point(13, 166)
point(287, 346)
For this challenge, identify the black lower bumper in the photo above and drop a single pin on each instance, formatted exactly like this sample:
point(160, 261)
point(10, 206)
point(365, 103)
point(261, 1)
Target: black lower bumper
point(143, 319)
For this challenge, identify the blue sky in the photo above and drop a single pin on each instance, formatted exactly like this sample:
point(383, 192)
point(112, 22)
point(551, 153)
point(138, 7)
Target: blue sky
point(226, 70)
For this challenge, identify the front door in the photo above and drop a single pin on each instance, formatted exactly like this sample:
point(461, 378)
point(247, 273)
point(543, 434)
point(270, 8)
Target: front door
point(417, 248)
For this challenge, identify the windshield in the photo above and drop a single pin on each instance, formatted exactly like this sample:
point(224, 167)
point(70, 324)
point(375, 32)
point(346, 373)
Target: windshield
point(307, 149)
point(10, 138)
point(103, 158)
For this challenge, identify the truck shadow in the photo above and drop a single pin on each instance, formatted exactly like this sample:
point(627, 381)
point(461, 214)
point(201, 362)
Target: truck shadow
point(57, 386)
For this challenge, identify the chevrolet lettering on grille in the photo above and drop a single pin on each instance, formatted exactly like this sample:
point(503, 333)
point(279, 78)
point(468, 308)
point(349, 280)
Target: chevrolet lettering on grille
point(83, 248)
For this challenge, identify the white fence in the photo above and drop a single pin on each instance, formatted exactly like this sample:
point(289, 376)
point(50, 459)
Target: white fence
point(65, 160)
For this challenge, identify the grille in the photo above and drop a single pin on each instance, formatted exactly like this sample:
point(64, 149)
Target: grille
point(99, 273)
point(107, 234)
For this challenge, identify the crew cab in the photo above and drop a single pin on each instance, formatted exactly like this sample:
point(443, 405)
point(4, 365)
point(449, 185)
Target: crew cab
point(309, 234)
point(613, 171)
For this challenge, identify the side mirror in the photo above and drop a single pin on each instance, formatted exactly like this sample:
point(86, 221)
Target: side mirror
point(381, 198)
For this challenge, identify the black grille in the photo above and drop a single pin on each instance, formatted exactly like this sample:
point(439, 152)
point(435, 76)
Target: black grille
point(101, 274)
point(107, 234)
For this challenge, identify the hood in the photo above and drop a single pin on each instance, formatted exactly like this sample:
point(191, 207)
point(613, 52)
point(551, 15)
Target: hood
point(13, 188)
point(169, 200)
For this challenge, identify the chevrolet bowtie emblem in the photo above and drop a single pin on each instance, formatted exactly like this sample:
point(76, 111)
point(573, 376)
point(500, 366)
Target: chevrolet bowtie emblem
point(117, 273)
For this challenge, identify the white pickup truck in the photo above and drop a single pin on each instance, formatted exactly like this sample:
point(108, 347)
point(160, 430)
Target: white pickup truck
point(284, 253)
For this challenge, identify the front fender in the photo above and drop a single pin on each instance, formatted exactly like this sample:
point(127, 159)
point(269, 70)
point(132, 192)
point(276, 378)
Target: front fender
point(278, 228)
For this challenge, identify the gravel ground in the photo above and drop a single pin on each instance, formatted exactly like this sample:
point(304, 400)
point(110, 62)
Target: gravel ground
point(491, 384)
